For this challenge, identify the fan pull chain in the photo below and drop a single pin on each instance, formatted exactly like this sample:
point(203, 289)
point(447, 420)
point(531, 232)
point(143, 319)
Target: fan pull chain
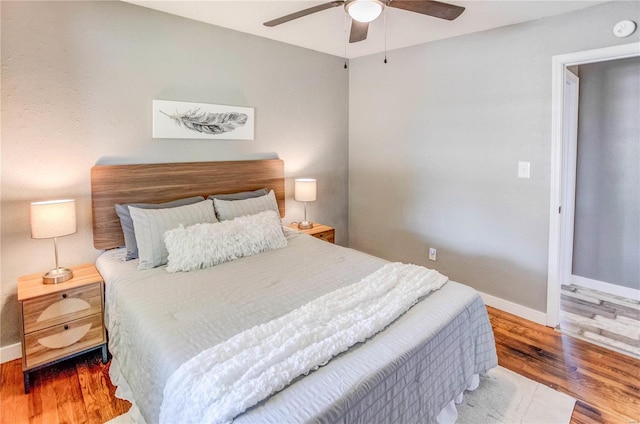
point(345, 41)
point(384, 17)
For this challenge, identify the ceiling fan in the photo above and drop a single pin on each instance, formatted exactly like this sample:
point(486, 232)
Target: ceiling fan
point(364, 11)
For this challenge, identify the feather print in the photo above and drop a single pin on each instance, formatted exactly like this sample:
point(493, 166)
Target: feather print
point(208, 123)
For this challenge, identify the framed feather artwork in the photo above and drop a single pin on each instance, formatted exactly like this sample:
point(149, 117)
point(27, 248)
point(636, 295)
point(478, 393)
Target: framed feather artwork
point(201, 120)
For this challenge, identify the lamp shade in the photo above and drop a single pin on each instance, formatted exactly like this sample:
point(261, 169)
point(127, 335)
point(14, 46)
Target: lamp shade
point(54, 218)
point(364, 10)
point(305, 190)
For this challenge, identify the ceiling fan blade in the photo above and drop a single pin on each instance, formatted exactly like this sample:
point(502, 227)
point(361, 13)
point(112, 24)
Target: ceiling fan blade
point(431, 8)
point(304, 12)
point(358, 31)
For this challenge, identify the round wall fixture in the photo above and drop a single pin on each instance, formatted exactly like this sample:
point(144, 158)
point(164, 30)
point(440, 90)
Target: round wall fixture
point(624, 28)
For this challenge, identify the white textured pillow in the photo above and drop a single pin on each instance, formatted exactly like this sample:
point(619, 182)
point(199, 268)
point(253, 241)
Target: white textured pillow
point(205, 245)
point(230, 209)
point(150, 224)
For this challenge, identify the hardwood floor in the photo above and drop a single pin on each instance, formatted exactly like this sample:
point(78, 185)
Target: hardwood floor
point(606, 383)
point(74, 391)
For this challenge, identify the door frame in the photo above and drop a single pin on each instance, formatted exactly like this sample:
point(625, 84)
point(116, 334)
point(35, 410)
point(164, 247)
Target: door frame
point(559, 220)
point(569, 171)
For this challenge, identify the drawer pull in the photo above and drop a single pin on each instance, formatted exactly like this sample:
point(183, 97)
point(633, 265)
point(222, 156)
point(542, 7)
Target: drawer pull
point(66, 327)
point(64, 296)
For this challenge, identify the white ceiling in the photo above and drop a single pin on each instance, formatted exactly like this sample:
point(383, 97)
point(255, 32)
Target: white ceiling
point(328, 30)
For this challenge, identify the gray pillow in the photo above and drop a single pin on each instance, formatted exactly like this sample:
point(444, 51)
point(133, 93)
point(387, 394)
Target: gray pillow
point(239, 196)
point(127, 223)
point(230, 209)
point(151, 224)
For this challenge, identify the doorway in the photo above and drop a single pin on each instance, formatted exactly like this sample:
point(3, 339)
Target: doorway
point(563, 160)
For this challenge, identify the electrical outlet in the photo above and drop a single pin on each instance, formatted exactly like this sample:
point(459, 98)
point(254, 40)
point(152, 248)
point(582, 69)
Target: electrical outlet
point(432, 253)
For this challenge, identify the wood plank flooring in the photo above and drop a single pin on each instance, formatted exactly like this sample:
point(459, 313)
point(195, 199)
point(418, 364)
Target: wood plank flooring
point(601, 318)
point(606, 383)
point(74, 391)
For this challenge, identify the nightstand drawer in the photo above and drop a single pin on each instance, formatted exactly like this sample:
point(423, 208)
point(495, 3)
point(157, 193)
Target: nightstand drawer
point(319, 231)
point(62, 340)
point(326, 236)
point(57, 308)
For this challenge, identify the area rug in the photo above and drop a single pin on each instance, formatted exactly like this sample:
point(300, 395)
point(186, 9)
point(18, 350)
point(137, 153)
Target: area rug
point(503, 397)
point(507, 397)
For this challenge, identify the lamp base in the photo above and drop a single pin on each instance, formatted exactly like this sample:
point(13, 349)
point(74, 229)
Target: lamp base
point(305, 225)
point(57, 275)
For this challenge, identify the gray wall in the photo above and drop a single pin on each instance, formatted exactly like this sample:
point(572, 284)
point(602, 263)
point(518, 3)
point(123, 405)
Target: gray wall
point(78, 79)
point(435, 136)
point(607, 220)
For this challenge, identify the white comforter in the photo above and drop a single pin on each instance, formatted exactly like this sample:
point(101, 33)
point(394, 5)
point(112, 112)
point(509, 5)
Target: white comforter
point(225, 380)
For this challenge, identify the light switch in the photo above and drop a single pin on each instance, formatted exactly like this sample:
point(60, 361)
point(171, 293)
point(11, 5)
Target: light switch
point(524, 169)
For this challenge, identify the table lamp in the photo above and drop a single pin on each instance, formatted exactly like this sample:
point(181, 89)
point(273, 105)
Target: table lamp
point(53, 219)
point(305, 191)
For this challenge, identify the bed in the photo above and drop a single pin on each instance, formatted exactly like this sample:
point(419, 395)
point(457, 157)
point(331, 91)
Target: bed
point(412, 371)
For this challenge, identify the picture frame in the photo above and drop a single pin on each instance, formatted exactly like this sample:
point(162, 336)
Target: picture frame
point(189, 120)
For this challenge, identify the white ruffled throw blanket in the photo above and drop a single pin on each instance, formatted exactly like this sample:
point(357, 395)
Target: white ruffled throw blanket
point(223, 381)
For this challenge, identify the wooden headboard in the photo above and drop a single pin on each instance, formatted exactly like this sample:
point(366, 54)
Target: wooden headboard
point(157, 183)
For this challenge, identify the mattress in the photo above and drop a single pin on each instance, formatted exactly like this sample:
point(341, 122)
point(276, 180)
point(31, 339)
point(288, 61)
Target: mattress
point(406, 373)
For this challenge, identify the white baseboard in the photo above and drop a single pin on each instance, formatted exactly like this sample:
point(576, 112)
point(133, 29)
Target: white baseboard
point(11, 352)
point(515, 309)
point(613, 289)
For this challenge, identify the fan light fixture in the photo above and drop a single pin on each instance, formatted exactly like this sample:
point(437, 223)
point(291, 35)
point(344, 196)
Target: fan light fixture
point(364, 10)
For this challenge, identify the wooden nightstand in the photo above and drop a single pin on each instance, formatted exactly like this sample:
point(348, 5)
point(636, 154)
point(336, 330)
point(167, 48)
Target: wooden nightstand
point(60, 321)
point(323, 232)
